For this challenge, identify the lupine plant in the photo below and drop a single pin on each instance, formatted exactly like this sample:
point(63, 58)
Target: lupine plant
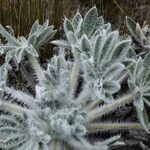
point(60, 115)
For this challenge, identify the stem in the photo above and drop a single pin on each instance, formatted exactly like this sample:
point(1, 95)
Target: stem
point(14, 108)
point(95, 127)
point(93, 104)
point(37, 68)
point(99, 112)
point(73, 80)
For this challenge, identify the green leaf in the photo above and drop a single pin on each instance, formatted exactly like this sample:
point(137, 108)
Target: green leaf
point(34, 28)
point(138, 32)
point(138, 68)
point(138, 101)
point(98, 47)
point(131, 25)
point(62, 43)
point(85, 44)
point(111, 86)
point(68, 26)
point(19, 54)
point(113, 71)
point(146, 61)
point(107, 47)
point(131, 85)
point(32, 39)
point(131, 56)
point(72, 38)
point(90, 20)
point(31, 50)
point(11, 39)
point(77, 22)
point(44, 37)
point(143, 118)
point(120, 51)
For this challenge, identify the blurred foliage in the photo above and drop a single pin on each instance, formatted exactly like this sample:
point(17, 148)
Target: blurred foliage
point(20, 14)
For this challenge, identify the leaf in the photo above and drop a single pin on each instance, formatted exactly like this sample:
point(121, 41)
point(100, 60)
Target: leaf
point(98, 47)
point(90, 20)
point(62, 43)
point(143, 118)
point(31, 50)
point(113, 71)
point(34, 28)
point(138, 32)
point(85, 44)
point(131, 85)
point(120, 51)
point(100, 21)
point(131, 56)
point(131, 25)
point(106, 27)
point(77, 22)
point(68, 26)
point(138, 101)
point(138, 68)
point(44, 37)
point(9, 55)
point(107, 47)
point(72, 38)
point(111, 86)
point(45, 25)
point(19, 54)
point(146, 61)
point(11, 39)
point(32, 39)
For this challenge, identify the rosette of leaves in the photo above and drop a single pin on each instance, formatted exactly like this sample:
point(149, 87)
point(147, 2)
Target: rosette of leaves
point(57, 118)
point(18, 47)
point(100, 51)
point(139, 84)
point(55, 77)
point(34, 124)
point(140, 35)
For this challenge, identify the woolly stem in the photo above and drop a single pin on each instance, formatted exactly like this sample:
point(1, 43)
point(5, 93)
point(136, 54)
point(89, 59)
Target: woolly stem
point(73, 80)
point(93, 104)
point(13, 108)
point(95, 127)
point(99, 112)
point(22, 97)
point(37, 68)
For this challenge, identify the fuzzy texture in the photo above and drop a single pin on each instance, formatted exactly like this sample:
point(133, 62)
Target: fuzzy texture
point(57, 117)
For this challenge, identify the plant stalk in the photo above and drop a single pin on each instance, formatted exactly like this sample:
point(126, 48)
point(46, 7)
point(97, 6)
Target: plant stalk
point(99, 112)
point(95, 127)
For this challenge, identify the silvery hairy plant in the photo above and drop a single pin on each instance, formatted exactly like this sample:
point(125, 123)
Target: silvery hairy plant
point(140, 35)
point(58, 117)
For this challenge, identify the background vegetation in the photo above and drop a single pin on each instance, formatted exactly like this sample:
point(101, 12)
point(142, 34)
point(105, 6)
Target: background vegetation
point(20, 14)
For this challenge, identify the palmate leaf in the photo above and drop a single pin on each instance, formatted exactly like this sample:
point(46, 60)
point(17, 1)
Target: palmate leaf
point(82, 26)
point(140, 34)
point(139, 84)
point(12, 131)
point(19, 47)
point(56, 77)
point(59, 115)
point(134, 28)
point(97, 48)
point(108, 57)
